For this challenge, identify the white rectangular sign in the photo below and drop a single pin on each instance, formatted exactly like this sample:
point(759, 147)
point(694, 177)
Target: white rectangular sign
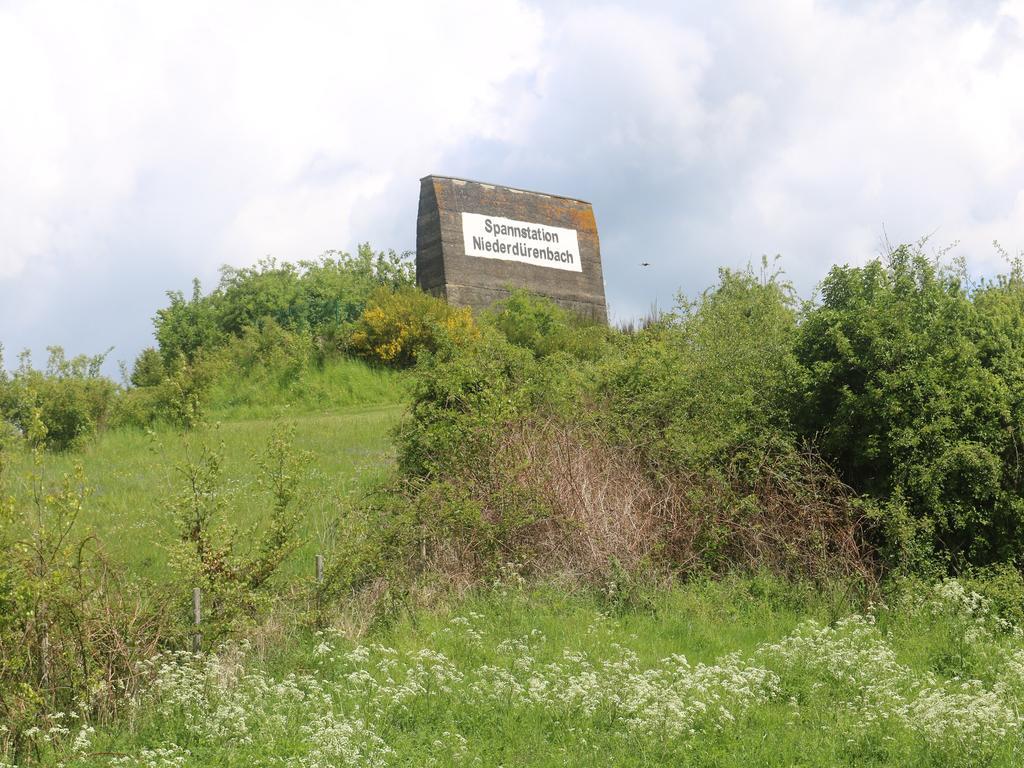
point(493, 237)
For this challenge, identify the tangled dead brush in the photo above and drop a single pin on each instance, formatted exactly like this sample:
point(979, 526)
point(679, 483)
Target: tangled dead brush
point(597, 507)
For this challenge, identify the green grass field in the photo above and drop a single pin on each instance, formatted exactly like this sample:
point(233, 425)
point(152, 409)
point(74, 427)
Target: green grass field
point(134, 474)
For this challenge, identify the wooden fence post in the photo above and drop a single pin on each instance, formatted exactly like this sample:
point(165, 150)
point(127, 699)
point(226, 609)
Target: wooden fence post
point(44, 646)
point(319, 585)
point(197, 617)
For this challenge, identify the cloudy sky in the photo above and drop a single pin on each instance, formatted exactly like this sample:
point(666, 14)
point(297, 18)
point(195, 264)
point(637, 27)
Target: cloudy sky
point(143, 144)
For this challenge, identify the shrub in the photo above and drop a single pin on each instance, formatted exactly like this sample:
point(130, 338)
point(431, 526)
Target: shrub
point(232, 566)
point(179, 399)
point(265, 349)
point(465, 394)
point(679, 458)
point(705, 386)
point(315, 294)
point(913, 387)
point(543, 327)
point(72, 637)
point(148, 369)
point(398, 326)
point(559, 499)
point(318, 297)
point(71, 396)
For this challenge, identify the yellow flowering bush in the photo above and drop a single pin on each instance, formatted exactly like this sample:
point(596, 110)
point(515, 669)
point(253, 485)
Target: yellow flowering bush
point(397, 325)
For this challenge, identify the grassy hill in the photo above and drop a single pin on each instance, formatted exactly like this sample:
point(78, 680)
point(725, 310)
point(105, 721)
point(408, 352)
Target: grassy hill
point(338, 384)
point(342, 414)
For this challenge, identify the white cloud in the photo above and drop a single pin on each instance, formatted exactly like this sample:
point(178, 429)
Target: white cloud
point(709, 134)
point(286, 108)
point(907, 118)
point(223, 132)
point(142, 144)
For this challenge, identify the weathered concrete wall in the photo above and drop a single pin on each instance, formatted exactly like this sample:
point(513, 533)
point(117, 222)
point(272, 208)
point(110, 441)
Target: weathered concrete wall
point(444, 268)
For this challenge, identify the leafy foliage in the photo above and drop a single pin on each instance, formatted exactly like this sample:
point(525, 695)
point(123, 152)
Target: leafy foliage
point(319, 297)
point(543, 327)
point(913, 385)
point(232, 567)
point(672, 449)
point(464, 394)
point(268, 325)
point(179, 396)
point(71, 635)
point(187, 325)
point(706, 386)
point(148, 370)
point(70, 397)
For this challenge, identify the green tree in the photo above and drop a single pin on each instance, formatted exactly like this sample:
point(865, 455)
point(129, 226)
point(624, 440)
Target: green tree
point(187, 325)
point(148, 370)
point(912, 387)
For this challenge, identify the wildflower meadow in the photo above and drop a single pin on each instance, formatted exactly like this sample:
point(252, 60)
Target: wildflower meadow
point(476, 684)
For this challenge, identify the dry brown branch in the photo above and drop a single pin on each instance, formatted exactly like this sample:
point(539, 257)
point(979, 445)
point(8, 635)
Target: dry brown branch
point(598, 508)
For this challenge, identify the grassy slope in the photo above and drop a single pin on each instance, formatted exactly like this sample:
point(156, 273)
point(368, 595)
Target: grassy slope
point(342, 415)
point(342, 383)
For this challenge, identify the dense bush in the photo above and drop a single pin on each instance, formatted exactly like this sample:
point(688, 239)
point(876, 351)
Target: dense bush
point(556, 498)
point(312, 294)
point(458, 395)
point(543, 327)
point(913, 385)
point(319, 296)
point(706, 386)
point(70, 396)
point(399, 325)
point(464, 395)
point(671, 450)
point(179, 397)
point(267, 348)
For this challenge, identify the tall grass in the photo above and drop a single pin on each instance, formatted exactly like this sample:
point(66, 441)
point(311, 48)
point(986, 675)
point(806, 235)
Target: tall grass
point(338, 383)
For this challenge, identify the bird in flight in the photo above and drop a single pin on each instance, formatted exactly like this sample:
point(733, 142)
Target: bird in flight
point(645, 263)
